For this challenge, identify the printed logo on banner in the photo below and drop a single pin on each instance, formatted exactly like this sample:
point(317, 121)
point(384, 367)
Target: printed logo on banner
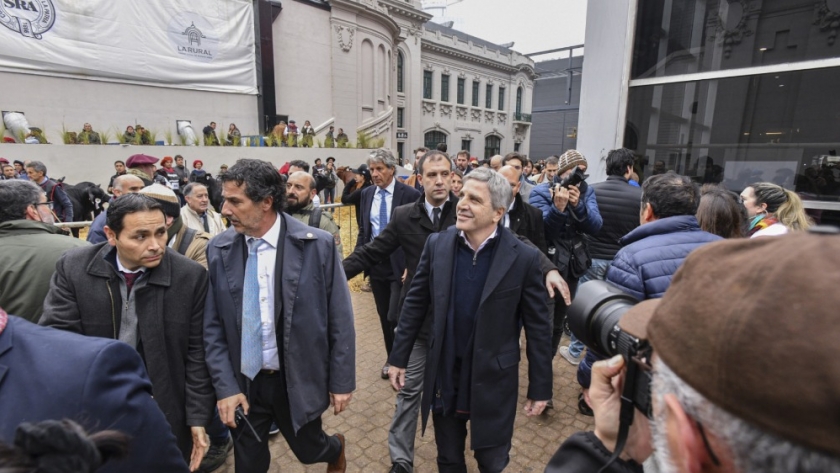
point(30, 18)
point(192, 36)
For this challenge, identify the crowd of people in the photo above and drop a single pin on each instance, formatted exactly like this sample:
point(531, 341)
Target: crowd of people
point(216, 342)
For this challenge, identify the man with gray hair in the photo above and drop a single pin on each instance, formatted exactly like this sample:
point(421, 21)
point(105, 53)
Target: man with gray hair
point(377, 208)
point(472, 366)
point(31, 245)
point(724, 396)
point(62, 207)
point(198, 214)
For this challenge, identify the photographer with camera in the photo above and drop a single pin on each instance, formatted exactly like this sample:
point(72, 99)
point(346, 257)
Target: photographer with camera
point(569, 211)
point(701, 381)
point(654, 251)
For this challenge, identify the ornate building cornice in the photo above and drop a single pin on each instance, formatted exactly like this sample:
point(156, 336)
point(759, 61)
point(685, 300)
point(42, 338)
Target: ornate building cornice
point(456, 53)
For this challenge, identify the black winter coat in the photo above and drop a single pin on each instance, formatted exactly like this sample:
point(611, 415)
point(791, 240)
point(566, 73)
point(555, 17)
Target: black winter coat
point(619, 204)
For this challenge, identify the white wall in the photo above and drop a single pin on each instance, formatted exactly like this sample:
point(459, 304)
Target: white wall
point(95, 163)
point(303, 65)
point(606, 71)
point(52, 102)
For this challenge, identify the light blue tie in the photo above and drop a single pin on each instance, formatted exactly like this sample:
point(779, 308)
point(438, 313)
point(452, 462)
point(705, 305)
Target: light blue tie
point(251, 320)
point(383, 211)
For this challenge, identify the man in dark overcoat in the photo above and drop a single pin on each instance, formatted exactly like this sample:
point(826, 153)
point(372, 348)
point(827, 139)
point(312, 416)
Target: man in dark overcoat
point(472, 366)
point(132, 289)
point(274, 349)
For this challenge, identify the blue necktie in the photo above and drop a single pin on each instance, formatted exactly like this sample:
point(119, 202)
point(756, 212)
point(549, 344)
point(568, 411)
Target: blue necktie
point(251, 320)
point(383, 211)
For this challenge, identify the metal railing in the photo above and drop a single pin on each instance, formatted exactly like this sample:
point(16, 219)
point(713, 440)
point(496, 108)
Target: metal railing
point(522, 117)
point(344, 215)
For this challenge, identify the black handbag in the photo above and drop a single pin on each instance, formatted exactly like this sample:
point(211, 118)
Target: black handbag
point(571, 256)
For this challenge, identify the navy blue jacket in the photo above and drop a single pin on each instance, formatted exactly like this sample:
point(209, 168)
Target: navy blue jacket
point(585, 218)
point(653, 252)
point(101, 384)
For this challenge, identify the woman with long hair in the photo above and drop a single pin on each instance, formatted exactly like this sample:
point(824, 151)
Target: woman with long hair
point(233, 135)
point(278, 134)
point(773, 210)
point(720, 213)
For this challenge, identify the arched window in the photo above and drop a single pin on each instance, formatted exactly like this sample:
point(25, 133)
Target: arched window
point(492, 146)
point(432, 138)
point(518, 102)
point(400, 65)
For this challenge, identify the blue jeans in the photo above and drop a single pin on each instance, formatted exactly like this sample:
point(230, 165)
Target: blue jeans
point(598, 270)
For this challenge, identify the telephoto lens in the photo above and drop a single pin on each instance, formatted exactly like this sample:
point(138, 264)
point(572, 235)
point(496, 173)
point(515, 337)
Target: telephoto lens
point(594, 315)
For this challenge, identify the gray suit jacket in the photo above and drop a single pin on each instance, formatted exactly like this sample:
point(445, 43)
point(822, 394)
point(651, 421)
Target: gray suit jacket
point(319, 339)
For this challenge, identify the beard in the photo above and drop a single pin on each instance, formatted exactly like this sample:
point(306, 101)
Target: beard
point(661, 449)
point(297, 207)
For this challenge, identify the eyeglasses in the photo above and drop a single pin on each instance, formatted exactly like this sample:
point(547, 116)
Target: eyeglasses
point(49, 204)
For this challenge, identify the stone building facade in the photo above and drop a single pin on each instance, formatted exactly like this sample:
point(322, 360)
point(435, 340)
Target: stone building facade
point(382, 68)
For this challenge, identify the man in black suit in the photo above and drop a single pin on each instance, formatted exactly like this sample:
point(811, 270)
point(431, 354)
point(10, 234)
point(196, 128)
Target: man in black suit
point(472, 364)
point(523, 218)
point(408, 230)
point(277, 354)
point(377, 209)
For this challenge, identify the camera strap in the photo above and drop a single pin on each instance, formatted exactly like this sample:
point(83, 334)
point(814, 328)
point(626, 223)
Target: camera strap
point(625, 417)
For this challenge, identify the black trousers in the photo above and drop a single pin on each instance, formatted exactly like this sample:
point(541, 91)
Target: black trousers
point(560, 309)
point(450, 438)
point(386, 295)
point(270, 402)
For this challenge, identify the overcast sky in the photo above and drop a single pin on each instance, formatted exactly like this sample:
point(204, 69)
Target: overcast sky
point(535, 25)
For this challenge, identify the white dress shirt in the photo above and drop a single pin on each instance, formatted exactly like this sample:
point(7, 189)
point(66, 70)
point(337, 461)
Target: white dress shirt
point(374, 208)
point(266, 265)
point(430, 209)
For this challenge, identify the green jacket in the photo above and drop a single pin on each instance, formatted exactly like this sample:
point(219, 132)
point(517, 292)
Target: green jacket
point(327, 224)
point(27, 262)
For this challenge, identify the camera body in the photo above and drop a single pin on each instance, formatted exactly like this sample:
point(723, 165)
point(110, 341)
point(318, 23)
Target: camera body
point(572, 179)
point(594, 318)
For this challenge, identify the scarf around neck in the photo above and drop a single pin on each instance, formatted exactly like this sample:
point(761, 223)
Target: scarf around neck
point(760, 222)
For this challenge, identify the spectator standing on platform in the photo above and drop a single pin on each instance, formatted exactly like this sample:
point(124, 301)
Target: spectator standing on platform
point(133, 290)
point(341, 138)
point(292, 134)
point(62, 206)
point(262, 330)
point(210, 137)
point(234, 136)
point(308, 135)
point(88, 136)
point(329, 139)
point(31, 245)
point(198, 214)
point(130, 136)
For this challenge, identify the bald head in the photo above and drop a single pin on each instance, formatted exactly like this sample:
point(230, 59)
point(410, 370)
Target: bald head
point(511, 174)
point(127, 184)
point(496, 162)
point(300, 190)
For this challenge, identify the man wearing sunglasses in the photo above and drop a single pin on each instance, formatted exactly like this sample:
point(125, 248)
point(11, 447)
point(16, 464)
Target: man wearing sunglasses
point(31, 246)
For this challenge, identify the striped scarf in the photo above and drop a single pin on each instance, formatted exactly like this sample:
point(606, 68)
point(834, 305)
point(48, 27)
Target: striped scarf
point(760, 222)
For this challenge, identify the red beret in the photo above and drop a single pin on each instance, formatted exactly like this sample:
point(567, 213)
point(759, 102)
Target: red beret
point(139, 160)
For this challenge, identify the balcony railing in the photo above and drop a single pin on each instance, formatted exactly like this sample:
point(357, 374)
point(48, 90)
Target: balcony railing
point(522, 117)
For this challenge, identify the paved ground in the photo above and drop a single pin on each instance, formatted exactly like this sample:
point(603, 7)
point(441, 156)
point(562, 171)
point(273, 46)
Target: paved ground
point(366, 422)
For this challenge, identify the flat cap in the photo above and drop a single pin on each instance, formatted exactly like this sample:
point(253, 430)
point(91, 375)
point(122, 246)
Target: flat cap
point(753, 325)
point(140, 159)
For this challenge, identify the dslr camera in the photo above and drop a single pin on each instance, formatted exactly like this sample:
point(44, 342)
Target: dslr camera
point(594, 318)
point(572, 179)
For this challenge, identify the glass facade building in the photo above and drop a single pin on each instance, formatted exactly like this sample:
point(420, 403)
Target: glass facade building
point(736, 92)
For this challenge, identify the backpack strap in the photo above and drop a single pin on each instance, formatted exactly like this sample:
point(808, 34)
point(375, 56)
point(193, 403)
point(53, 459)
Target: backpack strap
point(315, 218)
point(189, 236)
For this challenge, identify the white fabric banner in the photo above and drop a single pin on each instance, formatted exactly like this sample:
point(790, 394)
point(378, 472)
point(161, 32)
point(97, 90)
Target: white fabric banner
point(196, 44)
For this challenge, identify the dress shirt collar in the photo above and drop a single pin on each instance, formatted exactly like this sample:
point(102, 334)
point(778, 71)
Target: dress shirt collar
point(390, 187)
point(484, 243)
point(123, 269)
point(272, 234)
point(430, 208)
